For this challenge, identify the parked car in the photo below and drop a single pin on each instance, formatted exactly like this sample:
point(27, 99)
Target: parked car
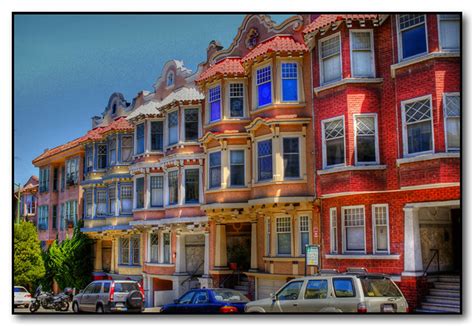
point(334, 293)
point(21, 297)
point(110, 296)
point(207, 301)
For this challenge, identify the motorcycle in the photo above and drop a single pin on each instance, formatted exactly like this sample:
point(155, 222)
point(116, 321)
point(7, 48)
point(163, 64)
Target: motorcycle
point(47, 300)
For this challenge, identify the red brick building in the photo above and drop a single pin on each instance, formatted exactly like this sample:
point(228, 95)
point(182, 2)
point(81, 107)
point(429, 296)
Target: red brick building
point(387, 137)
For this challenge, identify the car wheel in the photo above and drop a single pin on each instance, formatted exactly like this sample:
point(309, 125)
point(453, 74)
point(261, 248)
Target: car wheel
point(75, 308)
point(99, 309)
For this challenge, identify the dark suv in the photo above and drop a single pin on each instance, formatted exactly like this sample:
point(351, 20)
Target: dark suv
point(110, 296)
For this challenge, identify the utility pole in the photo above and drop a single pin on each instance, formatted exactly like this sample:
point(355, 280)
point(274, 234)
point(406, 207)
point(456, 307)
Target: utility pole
point(18, 200)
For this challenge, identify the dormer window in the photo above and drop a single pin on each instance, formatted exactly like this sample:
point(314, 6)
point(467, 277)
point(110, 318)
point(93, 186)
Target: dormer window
point(170, 79)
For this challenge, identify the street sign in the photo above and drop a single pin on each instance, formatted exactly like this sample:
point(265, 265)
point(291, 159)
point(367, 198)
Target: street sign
point(312, 255)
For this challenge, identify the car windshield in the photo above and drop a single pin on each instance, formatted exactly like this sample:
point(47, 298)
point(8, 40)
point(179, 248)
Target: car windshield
point(379, 287)
point(226, 295)
point(126, 287)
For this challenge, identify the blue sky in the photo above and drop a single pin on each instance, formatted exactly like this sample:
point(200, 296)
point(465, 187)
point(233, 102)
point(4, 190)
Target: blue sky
point(67, 66)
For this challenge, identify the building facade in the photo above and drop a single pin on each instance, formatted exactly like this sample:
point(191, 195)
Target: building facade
point(26, 207)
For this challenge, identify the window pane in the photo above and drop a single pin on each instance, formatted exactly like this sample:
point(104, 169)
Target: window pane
point(112, 200)
point(166, 248)
point(140, 138)
point(450, 32)
point(291, 291)
point(125, 250)
point(289, 75)
point(453, 128)
point(414, 41)
point(127, 148)
point(173, 187)
point(291, 157)
point(237, 168)
point(419, 137)
point(215, 103)
point(316, 289)
point(126, 198)
point(264, 94)
point(354, 227)
point(157, 135)
point(173, 127)
point(236, 100)
point(135, 250)
point(154, 248)
point(265, 168)
point(192, 186)
point(335, 151)
point(101, 208)
point(156, 189)
point(191, 118)
point(139, 192)
point(343, 287)
point(215, 170)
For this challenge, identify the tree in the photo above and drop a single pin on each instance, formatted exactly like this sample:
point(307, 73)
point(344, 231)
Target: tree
point(28, 266)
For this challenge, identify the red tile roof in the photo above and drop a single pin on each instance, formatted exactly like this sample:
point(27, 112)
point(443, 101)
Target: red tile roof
point(276, 44)
point(324, 20)
point(228, 66)
point(59, 149)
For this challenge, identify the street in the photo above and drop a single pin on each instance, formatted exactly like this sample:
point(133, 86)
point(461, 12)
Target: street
point(23, 310)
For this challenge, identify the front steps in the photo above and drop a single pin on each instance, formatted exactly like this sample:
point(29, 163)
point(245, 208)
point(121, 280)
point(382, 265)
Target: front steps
point(444, 296)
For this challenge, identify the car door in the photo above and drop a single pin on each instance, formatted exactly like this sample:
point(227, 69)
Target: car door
point(345, 295)
point(287, 297)
point(201, 303)
point(315, 297)
point(85, 300)
point(184, 303)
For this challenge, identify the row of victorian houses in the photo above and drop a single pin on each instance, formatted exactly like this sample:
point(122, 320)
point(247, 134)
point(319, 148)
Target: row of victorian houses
point(336, 130)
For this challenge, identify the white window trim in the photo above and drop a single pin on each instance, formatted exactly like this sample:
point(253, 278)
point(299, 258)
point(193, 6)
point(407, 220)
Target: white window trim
point(208, 169)
point(343, 226)
point(321, 79)
point(168, 145)
point(292, 237)
point(134, 195)
point(445, 120)
point(256, 167)
point(148, 143)
point(374, 232)
point(135, 148)
point(298, 80)
point(148, 192)
point(208, 103)
point(228, 106)
point(376, 126)
point(166, 203)
point(333, 249)
point(267, 63)
point(404, 126)
point(323, 132)
point(298, 235)
point(237, 148)
point(400, 43)
point(301, 148)
point(182, 199)
point(183, 128)
point(439, 35)
point(372, 53)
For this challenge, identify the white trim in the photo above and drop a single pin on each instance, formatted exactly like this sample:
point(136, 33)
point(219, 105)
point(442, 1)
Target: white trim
point(376, 127)
point(321, 79)
point(323, 131)
point(374, 235)
point(351, 168)
point(344, 81)
point(449, 203)
point(368, 257)
point(427, 157)
point(333, 249)
point(432, 186)
point(400, 42)
point(404, 126)
point(170, 221)
point(423, 58)
point(343, 226)
point(372, 53)
point(445, 118)
point(438, 19)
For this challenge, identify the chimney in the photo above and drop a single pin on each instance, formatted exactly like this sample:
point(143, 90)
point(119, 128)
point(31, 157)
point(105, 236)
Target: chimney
point(96, 120)
point(214, 46)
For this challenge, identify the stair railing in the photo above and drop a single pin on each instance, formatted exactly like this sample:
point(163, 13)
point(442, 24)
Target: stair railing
point(193, 274)
point(435, 254)
point(228, 277)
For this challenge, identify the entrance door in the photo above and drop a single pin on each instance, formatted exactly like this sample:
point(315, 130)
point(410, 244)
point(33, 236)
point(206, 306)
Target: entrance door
point(457, 238)
point(195, 254)
point(106, 255)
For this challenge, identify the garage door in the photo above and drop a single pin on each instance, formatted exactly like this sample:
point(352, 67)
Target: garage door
point(267, 286)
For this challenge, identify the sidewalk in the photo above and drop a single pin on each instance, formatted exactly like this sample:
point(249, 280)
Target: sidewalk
point(152, 310)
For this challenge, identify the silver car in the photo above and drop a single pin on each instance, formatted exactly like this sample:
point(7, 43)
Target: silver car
point(21, 296)
point(334, 293)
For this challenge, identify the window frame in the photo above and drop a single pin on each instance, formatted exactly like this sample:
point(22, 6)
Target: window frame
point(323, 135)
point(400, 41)
point(131, 186)
point(372, 51)
point(110, 140)
point(320, 58)
point(132, 149)
point(211, 87)
point(162, 248)
point(262, 66)
point(98, 154)
point(168, 134)
point(298, 77)
point(234, 149)
point(183, 187)
point(244, 99)
point(343, 226)
point(183, 124)
point(149, 143)
point(445, 117)
point(310, 238)
point(112, 210)
point(268, 236)
point(134, 194)
point(214, 150)
point(149, 251)
point(178, 186)
point(376, 143)
point(404, 126)
point(284, 216)
point(439, 35)
point(301, 148)
point(135, 138)
point(374, 229)
point(96, 200)
point(148, 192)
point(333, 239)
point(257, 164)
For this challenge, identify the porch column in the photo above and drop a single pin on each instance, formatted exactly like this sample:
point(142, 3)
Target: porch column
point(221, 247)
point(98, 255)
point(413, 259)
point(206, 254)
point(113, 258)
point(253, 251)
point(180, 254)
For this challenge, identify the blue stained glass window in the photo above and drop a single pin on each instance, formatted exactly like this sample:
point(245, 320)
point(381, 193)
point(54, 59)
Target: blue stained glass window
point(289, 78)
point(215, 103)
point(140, 138)
point(264, 86)
point(413, 34)
point(265, 165)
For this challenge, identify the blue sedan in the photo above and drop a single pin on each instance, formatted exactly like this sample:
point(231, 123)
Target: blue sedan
point(207, 301)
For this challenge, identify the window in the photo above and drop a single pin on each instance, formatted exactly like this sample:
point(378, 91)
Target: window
point(88, 202)
point(101, 208)
point(130, 250)
point(101, 156)
point(304, 233)
point(237, 168)
point(173, 127)
point(343, 287)
point(283, 231)
point(291, 291)
point(112, 200)
point(55, 217)
point(55, 179)
point(191, 185)
point(63, 216)
point(264, 86)
point(265, 163)
point(89, 159)
point(156, 135)
point(124, 251)
point(215, 170)
point(380, 218)
point(63, 178)
point(154, 248)
point(30, 202)
point(236, 95)
point(187, 298)
point(140, 138)
point(333, 234)
point(44, 180)
point(72, 171)
point(173, 187)
point(70, 214)
point(452, 116)
point(366, 139)
point(291, 157)
point(214, 104)
point(417, 126)
point(334, 148)
point(126, 199)
point(450, 32)
point(316, 289)
point(330, 60)
point(191, 124)
point(362, 58)
point(201, 297)
point(43, 217)
point(113, 150)
point(268, 227)
point(106, 287)
point(412, 30)
point(354, 229)
point(170, 79)
point(289, 82)
point(127, 148)
point(166, 247)
point(156, 191)
point(139, 192)
point(135, 250)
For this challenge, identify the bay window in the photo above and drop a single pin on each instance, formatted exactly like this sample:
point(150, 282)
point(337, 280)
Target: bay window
point(333, 142)
point(156, 190)
point(30, 202)
point(354, 229)
point(265, 162)
point(125, 251)
point(130, 250)
point(140, 192)
point(191, 124)
point(191, 186)
point(380, 221)
point(289, 82)
point(172, 127)
point(366, 139)
point(101, 156)
point(333, 229)
point(89, 159)
point(72, 171)
point(113, 150)
point(450, 32)
point(330, 59)
point(135, 249)
point(101, 202)
point(362, 56)
point(215, 104)
point(156, 135)
point(153, 248)
point(112, 200)
point(452, 118)
point(173, 187)
point(291, 157)
point(237, 168)
point(166, 245)
point(127, 148)
point(215, 170)
point(264, 86)
point(412, 35)
point(236, 96)
point(417, 126)
point(43, 217)
point(140, 138)
point(283, 232)
point(304, 233)
point(126, 199)
point(88, 203)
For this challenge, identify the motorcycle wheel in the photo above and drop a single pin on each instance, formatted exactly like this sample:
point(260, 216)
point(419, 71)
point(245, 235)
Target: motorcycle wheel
point(64, 306)
point(34, 306)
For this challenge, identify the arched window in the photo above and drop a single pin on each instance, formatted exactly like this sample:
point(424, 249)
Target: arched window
point(114, 108)
point(170, 79)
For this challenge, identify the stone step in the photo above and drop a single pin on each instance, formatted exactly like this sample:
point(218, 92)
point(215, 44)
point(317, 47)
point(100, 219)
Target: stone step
point(442, 299)
point(449, 279)
point(445, 293)
point(447, 286)
point(441, 307)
